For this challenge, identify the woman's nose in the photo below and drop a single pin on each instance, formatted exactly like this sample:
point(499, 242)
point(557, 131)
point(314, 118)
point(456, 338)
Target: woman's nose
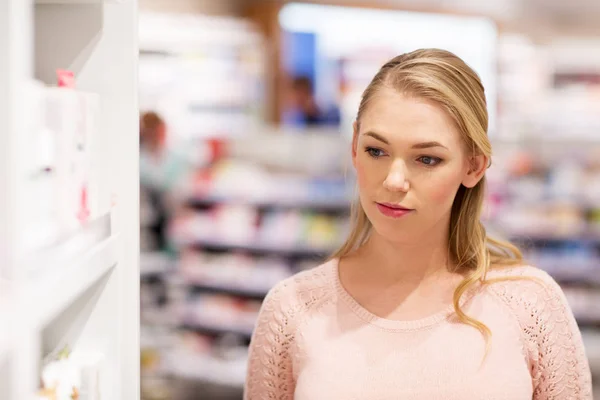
point(396, 179)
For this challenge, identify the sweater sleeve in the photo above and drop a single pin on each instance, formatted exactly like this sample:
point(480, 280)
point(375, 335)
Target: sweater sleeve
point(553, 342)
point(269, 374)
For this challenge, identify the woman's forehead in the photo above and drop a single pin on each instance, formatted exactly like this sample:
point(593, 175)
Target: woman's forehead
point(398, 117)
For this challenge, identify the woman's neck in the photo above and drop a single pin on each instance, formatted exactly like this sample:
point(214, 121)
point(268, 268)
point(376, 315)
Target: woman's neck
point(415, 261)
point(400, 280)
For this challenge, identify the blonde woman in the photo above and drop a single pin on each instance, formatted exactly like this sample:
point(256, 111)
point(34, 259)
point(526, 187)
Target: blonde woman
point(419, 303)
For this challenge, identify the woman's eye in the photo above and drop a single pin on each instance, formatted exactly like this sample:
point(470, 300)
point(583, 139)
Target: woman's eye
point(375, 153)
point(429, 161)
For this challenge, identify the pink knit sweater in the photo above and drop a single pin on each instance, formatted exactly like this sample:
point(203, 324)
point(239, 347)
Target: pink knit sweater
point(313, 341)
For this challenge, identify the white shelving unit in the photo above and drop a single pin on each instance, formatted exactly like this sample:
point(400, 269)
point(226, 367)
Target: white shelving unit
point(83, 291)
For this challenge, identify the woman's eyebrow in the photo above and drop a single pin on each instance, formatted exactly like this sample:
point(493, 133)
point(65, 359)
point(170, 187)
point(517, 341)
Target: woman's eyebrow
point(423, 145)
point(427, 145)
point(377, 136)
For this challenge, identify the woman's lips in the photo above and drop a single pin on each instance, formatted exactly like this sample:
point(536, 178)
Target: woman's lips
point(392, 210)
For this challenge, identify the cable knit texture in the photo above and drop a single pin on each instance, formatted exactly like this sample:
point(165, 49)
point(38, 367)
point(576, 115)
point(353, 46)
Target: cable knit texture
point(313, 341)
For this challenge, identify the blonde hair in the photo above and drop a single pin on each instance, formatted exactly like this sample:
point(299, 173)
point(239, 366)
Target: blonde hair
point(444, 78)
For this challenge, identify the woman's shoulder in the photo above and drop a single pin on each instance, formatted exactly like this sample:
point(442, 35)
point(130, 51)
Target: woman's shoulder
point(522, 276)
point(549, 331)
point(304, 288)
point(525, 289)
point(517, 270)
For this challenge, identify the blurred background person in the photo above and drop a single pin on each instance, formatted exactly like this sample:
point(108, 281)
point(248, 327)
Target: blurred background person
point(153, 172)
point(303, 110)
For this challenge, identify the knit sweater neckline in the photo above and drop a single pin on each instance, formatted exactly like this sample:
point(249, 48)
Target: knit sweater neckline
point(385, 323)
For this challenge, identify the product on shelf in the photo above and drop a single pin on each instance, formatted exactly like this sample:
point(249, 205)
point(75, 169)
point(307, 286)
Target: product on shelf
point(39, 178)
point(234, 272)
point(155, 344)
point(155, 269)
point(231, 226)
point(221, 312)
point(65, 78)
point(61, 381)
point(545, 192)
point(71, 376)
point(71, 116)
point(59, 190)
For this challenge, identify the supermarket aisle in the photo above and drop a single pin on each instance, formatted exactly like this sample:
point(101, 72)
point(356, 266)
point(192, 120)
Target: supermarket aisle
point(252, 213)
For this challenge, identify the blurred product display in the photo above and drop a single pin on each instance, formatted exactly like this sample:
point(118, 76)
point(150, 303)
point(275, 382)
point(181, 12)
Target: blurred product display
point(260, 201)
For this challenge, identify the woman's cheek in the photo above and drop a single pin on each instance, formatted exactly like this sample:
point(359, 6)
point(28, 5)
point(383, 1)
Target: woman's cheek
point(370, 174)
point(443, 190)
point(361, 173)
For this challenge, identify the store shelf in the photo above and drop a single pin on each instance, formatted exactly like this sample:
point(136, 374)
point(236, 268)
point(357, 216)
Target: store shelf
point(311, 204)
point(69, 286)
point(588, 322)
point(220, 383)
point(213, 330)
point(208, 370)
point(262, 248)
point(154, 264)
point(591, 341)
point(229, 290)
point(549, 239)
point(48, 298)
point(564, 279)
point(58, 275)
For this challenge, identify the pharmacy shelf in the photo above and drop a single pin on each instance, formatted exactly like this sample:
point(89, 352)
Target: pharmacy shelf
point(259, 248)
point(585, 322)
point(333, 205)
point(591, 340)
point(46, 309)
point(580, 280)
point(82, 292)
point(58, 275)
point(229, 372)
point(549, 239)
point(214, 330)
point(247, 293)
point(154, 264)
point(49, 298)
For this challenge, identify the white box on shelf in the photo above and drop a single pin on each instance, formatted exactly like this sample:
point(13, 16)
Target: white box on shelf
point(70, 115)
point(38, 211)
point(90, 365)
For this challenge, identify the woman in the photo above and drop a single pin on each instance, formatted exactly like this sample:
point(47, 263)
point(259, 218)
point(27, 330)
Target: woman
point(419, 303)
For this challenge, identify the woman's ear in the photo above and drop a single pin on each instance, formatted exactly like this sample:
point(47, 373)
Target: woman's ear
point(476, 169)
point(354, 142)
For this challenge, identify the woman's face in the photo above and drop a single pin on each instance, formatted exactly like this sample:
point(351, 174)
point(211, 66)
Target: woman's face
point(410, 161)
